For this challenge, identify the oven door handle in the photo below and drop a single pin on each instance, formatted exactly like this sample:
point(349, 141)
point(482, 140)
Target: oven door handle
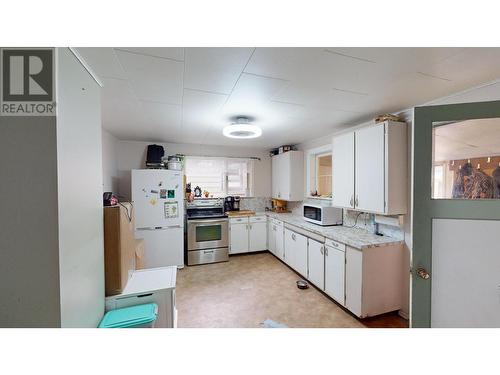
point(208, 221)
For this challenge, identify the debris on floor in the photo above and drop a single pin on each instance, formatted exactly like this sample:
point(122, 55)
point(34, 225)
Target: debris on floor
point(269, 323)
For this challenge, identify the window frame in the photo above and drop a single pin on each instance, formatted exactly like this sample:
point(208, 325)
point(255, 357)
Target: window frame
point(315, 152)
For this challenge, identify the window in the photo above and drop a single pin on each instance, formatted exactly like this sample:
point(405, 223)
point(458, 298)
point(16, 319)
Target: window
point(220, 176)
point(466, 159)
point(319, 173)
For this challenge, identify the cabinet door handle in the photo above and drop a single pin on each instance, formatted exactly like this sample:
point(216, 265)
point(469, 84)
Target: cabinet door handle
point(322, 250)
point(326, 251)
point(293, 237)
point(351, 203)
point(356, 202)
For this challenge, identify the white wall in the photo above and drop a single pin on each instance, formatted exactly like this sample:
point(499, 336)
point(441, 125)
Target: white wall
point(51, 242)
point(79, 170)
point(109, 162)
point(29, 257)
point(132, 155)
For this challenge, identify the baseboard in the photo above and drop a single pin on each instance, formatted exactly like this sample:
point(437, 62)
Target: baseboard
point(403, 314)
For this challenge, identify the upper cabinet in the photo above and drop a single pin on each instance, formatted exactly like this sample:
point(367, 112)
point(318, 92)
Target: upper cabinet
point(288, 176)
point(370, 169)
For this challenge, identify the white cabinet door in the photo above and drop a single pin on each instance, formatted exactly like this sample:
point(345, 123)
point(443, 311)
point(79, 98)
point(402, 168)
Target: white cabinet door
point(271, 237)
point(284, 176)
point(257, 236)
point(290, 251)
point(316, 269)
point(370, 169)
point(301, 265)
point(288, 176)
point(334, 274)
point(275, 178)
point(353, 280)
point(343, 171)
point(296, 251)
point(280, 240)
point(239, 238)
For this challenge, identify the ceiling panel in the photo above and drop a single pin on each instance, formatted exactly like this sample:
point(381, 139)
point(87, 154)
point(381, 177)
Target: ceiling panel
point(153, 78)
point(121, 111)
point(214, 69)
point(103, 61)
point(252, 92)
point(294, 94)
point(162, 115)
point(201, 111)
point(174, 53)
point(319, 68)
point(468, 68)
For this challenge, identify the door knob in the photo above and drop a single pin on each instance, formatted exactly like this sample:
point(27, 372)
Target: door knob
point(422, 273)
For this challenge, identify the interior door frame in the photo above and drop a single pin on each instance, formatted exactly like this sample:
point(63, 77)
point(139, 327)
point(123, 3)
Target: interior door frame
point(426, 209)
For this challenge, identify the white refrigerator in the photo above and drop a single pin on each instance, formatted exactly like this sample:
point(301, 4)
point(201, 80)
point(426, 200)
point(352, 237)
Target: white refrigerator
point(158, 199)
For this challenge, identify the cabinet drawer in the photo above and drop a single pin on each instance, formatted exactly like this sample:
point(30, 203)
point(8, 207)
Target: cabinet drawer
point(277, 222)
point(257, 219)
point(335, 244)
point(239, 220)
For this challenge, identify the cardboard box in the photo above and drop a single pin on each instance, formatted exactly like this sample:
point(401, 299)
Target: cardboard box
point(139, 254)
point(119, 247)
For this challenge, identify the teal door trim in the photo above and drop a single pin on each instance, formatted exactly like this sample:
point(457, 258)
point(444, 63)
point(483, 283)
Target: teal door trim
point(426, 209)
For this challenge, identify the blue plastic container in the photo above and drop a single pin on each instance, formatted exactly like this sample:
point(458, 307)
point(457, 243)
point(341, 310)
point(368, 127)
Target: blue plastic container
point(140, 316)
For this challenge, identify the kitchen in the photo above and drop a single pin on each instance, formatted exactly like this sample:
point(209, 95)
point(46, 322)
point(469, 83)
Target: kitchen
point(271, 187)
point(222, 209)
point(217, 229)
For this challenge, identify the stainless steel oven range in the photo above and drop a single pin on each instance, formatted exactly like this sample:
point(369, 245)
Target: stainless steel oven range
point(207, 231)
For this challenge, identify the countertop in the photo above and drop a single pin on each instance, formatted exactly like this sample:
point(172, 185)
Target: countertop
point(354, 237)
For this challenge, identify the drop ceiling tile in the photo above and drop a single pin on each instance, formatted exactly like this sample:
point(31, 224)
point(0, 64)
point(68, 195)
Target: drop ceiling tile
point(162, 115)
point(294, 94)
point(103, 62)
point(121, 111)
point(472, 66)
point(214, 69)
point(400, 60)
point(318, 68)
point(152, 78)
point(174, 53)
point(201, 111)
point(251, 93)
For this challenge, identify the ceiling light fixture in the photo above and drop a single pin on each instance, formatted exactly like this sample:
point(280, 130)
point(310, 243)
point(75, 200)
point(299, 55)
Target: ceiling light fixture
point(242, 129)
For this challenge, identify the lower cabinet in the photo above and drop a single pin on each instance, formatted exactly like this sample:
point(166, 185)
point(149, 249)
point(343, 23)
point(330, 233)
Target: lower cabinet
point(296, 251)
point(316, 269)
point(367, 282)
point(335, 273)
point(257, 236)
point(238, 234)
point(247, 234)
point(280, 240)
point(271, 236)
point(275, 239)
point(374, 279)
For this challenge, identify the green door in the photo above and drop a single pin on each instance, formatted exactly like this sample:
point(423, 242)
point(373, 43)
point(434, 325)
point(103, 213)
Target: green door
point(448, 141)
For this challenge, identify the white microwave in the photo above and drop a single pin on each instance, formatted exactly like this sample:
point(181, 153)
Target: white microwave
point(322, 215)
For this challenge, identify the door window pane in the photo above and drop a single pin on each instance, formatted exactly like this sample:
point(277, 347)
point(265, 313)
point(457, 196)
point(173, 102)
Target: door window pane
point(466, 159)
